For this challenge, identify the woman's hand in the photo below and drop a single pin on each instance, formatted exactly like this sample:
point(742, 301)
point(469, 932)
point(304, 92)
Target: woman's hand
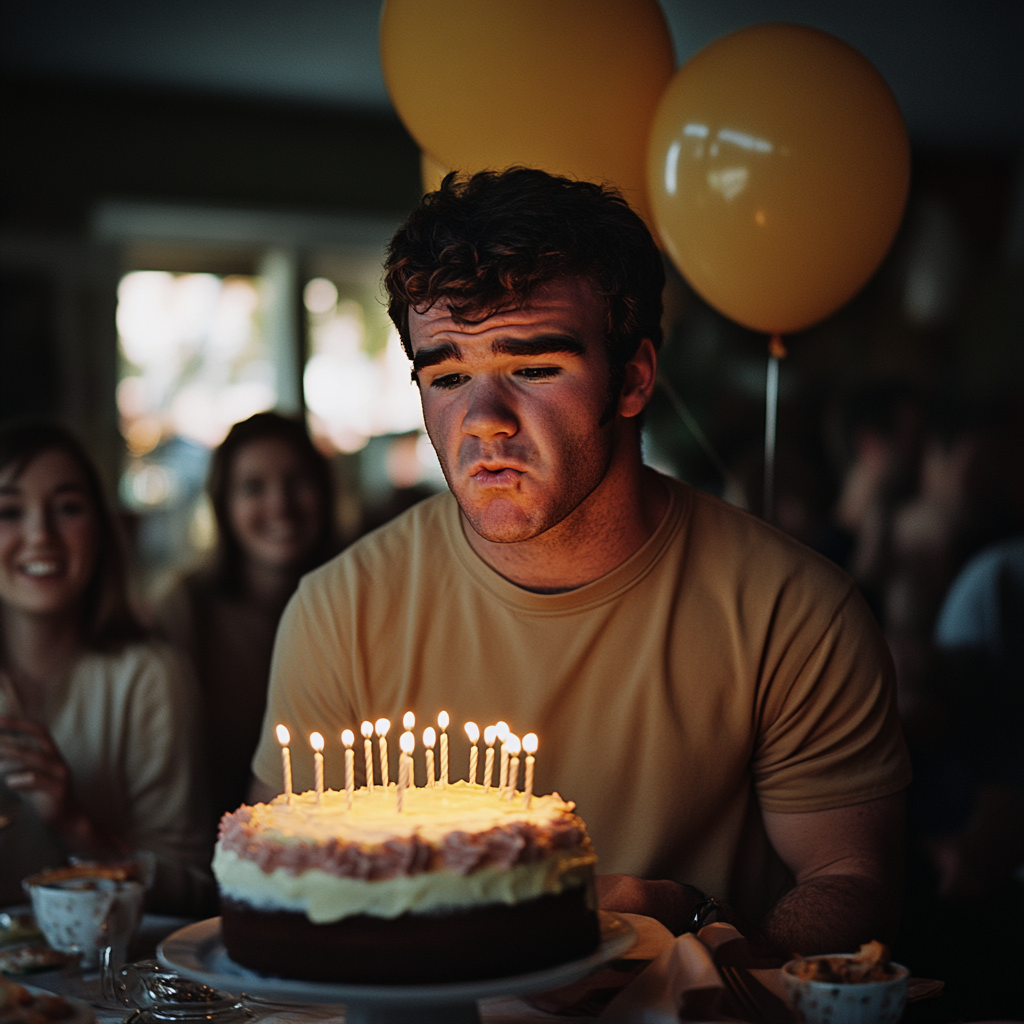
point(32, 766)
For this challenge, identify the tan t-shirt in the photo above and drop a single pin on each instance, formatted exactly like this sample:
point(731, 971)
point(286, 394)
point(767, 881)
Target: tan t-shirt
point(721, 666)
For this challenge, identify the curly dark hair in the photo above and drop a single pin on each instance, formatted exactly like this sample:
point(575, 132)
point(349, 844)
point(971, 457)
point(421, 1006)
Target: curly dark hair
point(484, 243)
point(108, 620)
point(261, 427)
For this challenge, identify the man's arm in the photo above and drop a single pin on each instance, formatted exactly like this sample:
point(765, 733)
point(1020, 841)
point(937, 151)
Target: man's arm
point(848, 864)
point(260, 792)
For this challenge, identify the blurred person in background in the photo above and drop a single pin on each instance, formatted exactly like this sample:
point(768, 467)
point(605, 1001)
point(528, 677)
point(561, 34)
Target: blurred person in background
point(272, 497)
point(97, 758)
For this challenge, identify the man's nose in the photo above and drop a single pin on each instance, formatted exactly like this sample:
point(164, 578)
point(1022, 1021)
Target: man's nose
point(491, 410)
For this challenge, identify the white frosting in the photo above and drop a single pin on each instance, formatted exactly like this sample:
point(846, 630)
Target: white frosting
point(325, 898)
point(429, 814)
point(277, 856)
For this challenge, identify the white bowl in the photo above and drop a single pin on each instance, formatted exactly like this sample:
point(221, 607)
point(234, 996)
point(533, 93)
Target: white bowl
point(830, 1002)
point(78, 915)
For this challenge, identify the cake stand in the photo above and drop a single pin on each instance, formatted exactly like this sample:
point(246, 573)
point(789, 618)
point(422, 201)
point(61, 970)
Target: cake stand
point(197, 952)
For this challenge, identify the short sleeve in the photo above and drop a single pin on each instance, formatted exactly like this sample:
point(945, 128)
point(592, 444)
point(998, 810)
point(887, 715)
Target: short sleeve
point(829, 733)
point(307, 691)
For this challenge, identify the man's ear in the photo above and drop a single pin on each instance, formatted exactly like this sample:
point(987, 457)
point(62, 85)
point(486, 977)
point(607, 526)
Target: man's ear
point(641, 372)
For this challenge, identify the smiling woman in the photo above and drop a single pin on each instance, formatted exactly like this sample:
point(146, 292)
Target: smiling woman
point(96, 751)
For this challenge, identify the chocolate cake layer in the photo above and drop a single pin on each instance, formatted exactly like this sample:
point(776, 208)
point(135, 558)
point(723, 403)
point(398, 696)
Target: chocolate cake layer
point(473, 945)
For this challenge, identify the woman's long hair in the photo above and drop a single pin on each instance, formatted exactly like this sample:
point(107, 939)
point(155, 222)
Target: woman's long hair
point(107, 619)
point(261, 427)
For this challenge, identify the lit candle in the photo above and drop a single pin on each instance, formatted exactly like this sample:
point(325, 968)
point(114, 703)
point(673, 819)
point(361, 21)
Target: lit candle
point(408, 721)
point(429, 739)
point(316, 741)
point(490, 734)
point(381, 726)
point(503, 735)
point(514, 746)
point(367, 730)
point(407, 743)
point(442, 721)
point(348, 738)
point(474, 736)
point(284, 738)
point(530, 746)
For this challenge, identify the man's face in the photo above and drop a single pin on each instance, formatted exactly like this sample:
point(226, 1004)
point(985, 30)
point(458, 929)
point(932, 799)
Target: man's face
point(513, 406)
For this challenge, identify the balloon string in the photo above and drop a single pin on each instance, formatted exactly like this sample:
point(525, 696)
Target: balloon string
point(683, 412)
point(776, 352)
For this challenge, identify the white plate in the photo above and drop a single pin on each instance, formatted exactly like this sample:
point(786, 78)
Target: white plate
point(198, 953)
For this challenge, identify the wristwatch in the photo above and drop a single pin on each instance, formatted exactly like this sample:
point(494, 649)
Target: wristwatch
point(704, 911)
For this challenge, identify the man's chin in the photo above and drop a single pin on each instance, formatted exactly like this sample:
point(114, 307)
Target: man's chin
point(501, 522)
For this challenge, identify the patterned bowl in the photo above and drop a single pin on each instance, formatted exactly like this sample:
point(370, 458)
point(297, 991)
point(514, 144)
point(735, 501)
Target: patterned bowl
point(830, 1002)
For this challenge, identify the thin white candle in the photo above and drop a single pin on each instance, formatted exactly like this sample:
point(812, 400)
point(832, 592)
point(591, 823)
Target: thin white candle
point(316, 741)
point(503, 734)
point(490, 735)
point(530, 746)
point(348, 738)
point(367, 730)
point(442, 721)
point(407, 743)
point(473, 732)
point(381, 727)
point(514, 746)
point(429, 739)
point(284, 738)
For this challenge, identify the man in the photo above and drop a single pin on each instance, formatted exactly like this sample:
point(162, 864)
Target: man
point(715, 698)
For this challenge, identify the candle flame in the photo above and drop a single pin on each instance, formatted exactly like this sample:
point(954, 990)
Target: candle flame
point(283, 735)
point(530, 743)
point(443, 720)
point(407, 742)
point(409, 720)
point(348, 737)
point(316, 741)
point(503, 731)
point(366, 729)
point(429, 737)
point(472, 731)
point(382, 725)
point(514, 744)
point(490, 735)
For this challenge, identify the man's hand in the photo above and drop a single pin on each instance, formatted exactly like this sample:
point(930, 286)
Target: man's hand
point(668, 902)
point(848, 864)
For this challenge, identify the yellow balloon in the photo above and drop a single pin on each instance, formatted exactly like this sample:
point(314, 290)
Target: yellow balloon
point(569, 86)
point(778, 169)
point(431, 173)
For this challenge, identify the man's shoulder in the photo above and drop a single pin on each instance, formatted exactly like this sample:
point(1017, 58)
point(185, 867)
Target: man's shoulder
point(417, 536)
point(733, 543)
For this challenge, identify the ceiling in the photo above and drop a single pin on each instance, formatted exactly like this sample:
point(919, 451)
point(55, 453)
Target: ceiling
point(954, 65)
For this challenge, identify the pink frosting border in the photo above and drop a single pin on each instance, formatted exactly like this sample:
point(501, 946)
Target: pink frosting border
point(461, 852)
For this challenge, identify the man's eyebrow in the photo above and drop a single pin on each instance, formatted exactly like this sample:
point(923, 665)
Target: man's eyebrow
point(432, 356)
point(7, 490)
point(547, 345)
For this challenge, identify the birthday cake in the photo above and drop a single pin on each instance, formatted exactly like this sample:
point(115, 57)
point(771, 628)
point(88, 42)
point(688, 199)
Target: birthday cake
point(461, 884)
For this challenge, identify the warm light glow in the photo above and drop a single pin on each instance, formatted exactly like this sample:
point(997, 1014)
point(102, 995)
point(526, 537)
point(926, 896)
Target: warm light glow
point(409, 720)
point(382, 725)
point(407, 742)
point(472, 732)
point(429, 737)
point(316, 741)
point(530, 743)
point(443, 720)
point(503, 731)
point(348, 737)
point(490, 735)
point(366, 729)
point(283, 735)
point(513, 743)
